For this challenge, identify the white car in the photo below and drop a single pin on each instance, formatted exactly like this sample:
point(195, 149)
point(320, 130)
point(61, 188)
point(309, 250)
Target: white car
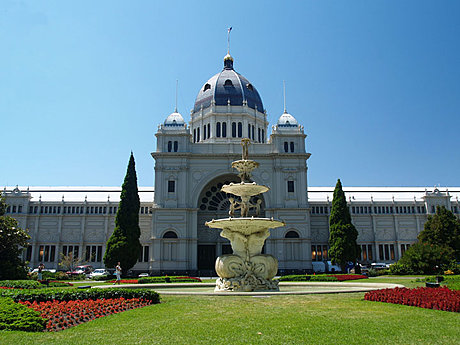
point(98, 272)
point(143, 275)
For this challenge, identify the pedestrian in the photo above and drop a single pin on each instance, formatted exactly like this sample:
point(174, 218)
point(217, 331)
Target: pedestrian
point(40, 271)
point(118, 273)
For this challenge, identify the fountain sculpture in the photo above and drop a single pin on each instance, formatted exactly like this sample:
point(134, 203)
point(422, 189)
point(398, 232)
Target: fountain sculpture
point(246, 269)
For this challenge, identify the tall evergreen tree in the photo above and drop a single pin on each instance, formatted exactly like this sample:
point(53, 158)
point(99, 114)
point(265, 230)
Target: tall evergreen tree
point(12, 241)
point(342, 233)
point(124, 246)
point(442, 229)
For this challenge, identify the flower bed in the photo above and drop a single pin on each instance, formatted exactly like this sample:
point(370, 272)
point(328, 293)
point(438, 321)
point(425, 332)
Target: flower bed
point(124, 281)
point(65, 314)
point(21, 284)
point(344, 277)
point(169, 279)
point(322, 277)
point(431, 298)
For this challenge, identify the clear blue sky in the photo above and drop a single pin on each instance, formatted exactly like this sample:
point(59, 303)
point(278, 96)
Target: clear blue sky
point(375, 83)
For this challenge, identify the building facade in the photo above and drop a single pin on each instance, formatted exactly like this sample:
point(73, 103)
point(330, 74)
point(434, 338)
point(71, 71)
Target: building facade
point(192, 162)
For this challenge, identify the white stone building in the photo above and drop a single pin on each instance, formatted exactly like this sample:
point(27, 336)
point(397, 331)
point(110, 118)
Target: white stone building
point(192, 162)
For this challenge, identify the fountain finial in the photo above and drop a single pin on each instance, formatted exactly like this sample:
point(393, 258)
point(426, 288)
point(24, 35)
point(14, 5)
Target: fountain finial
point(245, 143)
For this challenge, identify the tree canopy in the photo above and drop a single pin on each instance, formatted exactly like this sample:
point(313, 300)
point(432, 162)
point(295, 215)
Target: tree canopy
point(12, 242)
point(442, 229)
point(123, 245)
point(342, 233)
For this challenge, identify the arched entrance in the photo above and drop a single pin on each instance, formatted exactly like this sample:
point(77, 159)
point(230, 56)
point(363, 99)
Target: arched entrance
point(214, 204)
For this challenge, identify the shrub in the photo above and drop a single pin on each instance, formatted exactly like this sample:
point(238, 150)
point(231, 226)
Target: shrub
point(75, 294)
point(21, 284)
point(17, 317)
point(423, 258)
point(321, 277)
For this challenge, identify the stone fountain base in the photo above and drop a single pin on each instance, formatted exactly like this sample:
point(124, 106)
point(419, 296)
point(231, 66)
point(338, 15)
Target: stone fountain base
point(255, 274)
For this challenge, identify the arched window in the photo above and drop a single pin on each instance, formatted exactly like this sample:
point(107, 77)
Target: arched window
point(286, 148)
point(224, 129)
point(249, 131)
point(194, 135)
point(258, 132)
point(209, 130)
point(233, 129)
point(240, 129)
point(204, 132)
point(206, 87)
point(170, 234)
point(263, 135)
point(292, 234)
point(228, 83)
point(198, 134)
point(176, 146)
point(218, 129)
point(292, 146)
point(169, 146)
point(250, 87)
point(253, 136)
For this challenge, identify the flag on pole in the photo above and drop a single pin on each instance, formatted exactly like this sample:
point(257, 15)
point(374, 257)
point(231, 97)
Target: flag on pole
point(229, 29)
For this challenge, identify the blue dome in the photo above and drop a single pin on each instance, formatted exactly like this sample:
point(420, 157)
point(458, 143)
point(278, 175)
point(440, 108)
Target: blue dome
point(228, 85)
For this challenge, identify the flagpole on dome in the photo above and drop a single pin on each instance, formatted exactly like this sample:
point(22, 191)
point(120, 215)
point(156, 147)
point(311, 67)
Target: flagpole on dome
point(228, 40)
point(177, 83)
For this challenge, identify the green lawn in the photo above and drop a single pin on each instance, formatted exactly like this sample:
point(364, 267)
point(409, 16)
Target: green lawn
point(309, 319)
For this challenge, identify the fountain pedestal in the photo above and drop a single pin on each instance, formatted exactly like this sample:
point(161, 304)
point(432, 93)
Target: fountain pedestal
point(247, 269)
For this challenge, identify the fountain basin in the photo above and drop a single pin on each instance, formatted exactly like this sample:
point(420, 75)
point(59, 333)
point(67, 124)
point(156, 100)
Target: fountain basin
point(244, 189)
point(246, 226)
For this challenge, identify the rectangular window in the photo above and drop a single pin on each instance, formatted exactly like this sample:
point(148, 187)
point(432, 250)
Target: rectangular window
point(319, 253)
point(29, 253)
point(171, 186)
point(325, 252)
point(99, 254)
point(286, 148)
point(381, 252)
point(240, 130)
point(233, 129)
point(363, 252)
point(387, 252)
point(218, 129)
point(292, 146)
point(369, 252)
point(313, 253)
point(290, 186)
point(224, 129)
point(392, 251)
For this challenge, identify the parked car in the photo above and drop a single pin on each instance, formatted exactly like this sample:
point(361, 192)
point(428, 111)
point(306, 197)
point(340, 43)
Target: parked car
point(380, 266)
point(83, 269)
point(143, 275)
point(98, 272)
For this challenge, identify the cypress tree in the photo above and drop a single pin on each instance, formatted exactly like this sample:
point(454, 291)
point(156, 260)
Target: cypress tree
point(123, 245)
point(342, 233)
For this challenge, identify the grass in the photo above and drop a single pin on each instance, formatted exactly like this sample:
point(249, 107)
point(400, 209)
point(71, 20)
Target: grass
point(319, 319)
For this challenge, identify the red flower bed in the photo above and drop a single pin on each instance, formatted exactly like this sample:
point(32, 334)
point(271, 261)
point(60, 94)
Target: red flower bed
point(193, 278)
point(124, 281)
point(65, 314)
point(432, 298)
point(4, 287)
point(343, 277)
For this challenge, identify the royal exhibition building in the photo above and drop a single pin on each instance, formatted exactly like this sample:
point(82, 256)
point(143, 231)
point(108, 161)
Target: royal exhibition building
point(192, 162)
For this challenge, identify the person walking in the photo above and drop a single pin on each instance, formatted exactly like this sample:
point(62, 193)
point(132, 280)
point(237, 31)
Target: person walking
point(118, 273)
point(40, 271)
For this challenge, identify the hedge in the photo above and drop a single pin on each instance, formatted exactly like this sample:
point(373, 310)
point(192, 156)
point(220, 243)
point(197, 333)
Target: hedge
point(77, 294)
point(21, 284)
point(18, 317)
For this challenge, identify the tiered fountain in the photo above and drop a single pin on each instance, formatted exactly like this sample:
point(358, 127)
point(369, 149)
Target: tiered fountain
point(246, 269)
